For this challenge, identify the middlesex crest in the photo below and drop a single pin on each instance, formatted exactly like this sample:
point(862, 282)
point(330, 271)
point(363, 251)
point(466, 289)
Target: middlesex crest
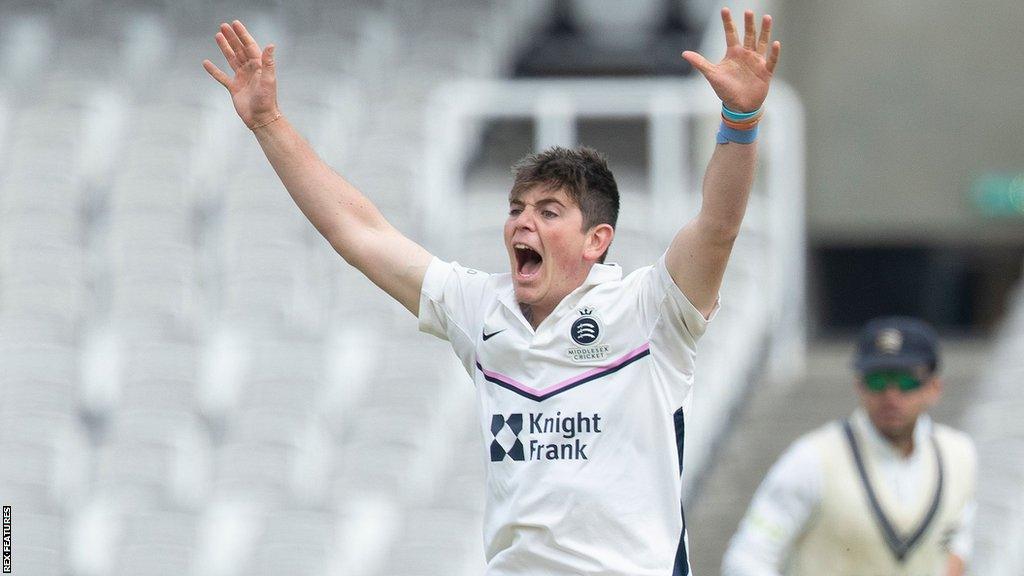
point(586, 331)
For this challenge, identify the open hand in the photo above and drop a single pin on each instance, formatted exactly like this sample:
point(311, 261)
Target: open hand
point(254, 86)
point(741, 79)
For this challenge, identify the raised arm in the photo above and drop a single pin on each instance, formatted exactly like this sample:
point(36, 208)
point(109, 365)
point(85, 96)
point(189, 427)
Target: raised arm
point(347, 219)
point(700, 251)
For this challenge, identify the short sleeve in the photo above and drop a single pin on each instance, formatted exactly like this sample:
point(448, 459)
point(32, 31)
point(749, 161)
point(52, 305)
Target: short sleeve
point(665, 308)
point(453, 300)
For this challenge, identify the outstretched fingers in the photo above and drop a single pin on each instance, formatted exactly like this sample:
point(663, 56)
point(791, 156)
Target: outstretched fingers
point(252, 49)
point(217, 73)
point(749, 32)
point(268, 61)
point(699, 62)
point(766, 34)
point(234, 43)
point(773, 56)
point(731, 39)
point(226, 50)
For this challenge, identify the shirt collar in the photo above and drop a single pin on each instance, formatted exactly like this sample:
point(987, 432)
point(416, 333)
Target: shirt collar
point(599, 274)
point(922, 431)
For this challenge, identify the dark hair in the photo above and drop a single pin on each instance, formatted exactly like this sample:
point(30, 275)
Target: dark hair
point(582, 173)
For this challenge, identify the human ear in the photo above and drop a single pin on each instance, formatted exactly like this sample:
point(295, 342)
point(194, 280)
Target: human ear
point(599, 238)
point(934, 388)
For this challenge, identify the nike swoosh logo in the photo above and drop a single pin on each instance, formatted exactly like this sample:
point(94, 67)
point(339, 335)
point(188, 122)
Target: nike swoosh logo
point(488, 336)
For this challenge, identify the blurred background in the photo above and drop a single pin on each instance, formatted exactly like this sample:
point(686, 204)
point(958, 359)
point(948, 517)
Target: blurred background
point(192, 382)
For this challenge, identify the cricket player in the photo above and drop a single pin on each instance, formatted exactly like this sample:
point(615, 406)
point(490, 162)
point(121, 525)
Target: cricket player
point(886, 492)
point(583, 375)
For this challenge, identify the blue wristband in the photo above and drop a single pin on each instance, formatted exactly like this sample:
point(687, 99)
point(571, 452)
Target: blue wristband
point(727, 134)
point(738, 116)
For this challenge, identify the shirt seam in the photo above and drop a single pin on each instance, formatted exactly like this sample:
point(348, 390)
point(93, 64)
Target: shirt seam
point(461, 330)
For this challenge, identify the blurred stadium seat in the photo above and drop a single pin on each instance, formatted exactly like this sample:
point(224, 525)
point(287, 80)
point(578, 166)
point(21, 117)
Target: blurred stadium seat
point(156, 543)
point(42, 541)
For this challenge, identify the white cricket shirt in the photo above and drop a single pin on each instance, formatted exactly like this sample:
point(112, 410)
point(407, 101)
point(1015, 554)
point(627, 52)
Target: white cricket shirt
point(582, 419)
point(792, 494)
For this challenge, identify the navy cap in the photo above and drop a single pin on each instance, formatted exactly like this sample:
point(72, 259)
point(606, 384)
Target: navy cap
point(896, 342)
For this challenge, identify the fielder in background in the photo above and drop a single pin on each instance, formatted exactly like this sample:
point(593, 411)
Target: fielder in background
point(583, 376)
point(885, 492)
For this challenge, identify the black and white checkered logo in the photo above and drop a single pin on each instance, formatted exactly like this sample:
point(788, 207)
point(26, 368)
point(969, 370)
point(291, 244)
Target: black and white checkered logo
point(506, 437)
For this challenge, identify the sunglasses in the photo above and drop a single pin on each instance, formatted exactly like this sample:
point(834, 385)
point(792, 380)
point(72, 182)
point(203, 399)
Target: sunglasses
point(904, 381)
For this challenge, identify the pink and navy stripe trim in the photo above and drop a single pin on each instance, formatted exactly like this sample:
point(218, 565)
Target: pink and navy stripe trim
point(541, 394)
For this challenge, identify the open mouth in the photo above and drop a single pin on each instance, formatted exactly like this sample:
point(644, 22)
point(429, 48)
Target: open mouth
point(528, 260)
